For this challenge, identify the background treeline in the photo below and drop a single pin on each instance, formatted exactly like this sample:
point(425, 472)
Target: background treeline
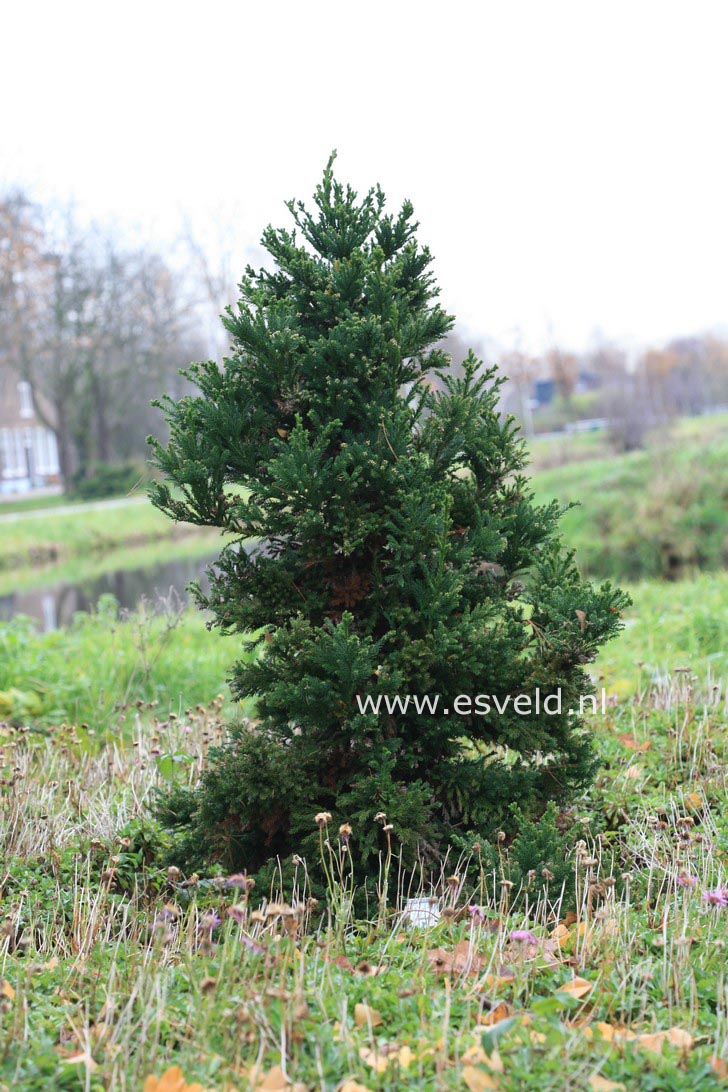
point(628, 393)
point(100, 326)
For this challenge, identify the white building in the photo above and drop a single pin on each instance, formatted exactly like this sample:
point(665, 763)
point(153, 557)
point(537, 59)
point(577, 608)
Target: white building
point(28, 449)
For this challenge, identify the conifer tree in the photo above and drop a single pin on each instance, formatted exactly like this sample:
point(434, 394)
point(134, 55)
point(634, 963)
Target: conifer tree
point(396, 550)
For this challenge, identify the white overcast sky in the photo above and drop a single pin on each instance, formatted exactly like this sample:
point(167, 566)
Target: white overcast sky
point(567, 161)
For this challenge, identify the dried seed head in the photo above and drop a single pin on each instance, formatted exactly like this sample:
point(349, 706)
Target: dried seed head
point(453, 882)
point(345, 832)
point(322, 819)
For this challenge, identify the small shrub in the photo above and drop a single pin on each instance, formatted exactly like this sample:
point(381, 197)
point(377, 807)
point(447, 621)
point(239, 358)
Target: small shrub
point(106, 480)
point(399, 552)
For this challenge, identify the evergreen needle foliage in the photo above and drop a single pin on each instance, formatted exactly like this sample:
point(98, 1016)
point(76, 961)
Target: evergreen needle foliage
point(398, 550)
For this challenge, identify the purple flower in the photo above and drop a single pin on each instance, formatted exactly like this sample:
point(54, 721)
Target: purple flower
point(717, 897)
point(238, 880)
point(523, 936)
point(209, 921)
point(687, 881)
point(476, 913)
point(237, 913)
point(252, 945)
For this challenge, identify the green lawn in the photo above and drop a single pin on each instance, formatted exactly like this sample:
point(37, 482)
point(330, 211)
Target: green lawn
point(116, 967)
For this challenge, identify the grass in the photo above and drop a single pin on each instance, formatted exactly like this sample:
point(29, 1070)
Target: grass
point(24, 503)
point(124, 558)
point(114, 967)
point(102, 667)
point(32, 540)
point(658, 513)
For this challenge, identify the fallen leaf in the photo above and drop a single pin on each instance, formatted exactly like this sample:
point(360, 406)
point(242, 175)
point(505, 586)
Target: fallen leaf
point(82, 1059)
point(581, 615)
point(577, 987)
point(609, 1032)
point(377, 1061)
point(7, 990)
point(405, 1057)
point(601, 1084)
point(501, 1012)
point(464, 959)
point(561, 935)
point(719, 1067)
point(171, 1080)
point(693, 801)
point(634, 771)
point(477, 1080)
point(475, 1055)
point(364, 1016)
point(493, 981)
point(654, 1041)
point(274, 1080)
point(350, 1085)
point(633, 745)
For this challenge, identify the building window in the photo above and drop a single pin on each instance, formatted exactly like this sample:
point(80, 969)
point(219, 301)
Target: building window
point(12, 453)
point(45, 452)
point(26, 399)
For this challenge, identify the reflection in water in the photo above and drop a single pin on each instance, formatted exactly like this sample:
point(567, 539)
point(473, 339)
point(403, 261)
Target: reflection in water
point(55, 606)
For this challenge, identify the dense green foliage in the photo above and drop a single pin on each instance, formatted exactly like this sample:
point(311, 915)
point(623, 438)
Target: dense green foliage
point(106, 480)
point(398, 552)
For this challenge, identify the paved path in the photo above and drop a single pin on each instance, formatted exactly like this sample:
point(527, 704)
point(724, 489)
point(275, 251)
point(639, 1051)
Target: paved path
point(71, 509)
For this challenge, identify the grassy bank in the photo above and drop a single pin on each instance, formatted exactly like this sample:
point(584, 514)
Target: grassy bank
point(657, 513)
point(124, 558)
point(31, 539)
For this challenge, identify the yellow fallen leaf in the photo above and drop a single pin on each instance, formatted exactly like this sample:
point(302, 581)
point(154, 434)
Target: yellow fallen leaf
point(719, 1067)
point(601, 1084)
point(364, 1016)
point(273, 1081)
point(378, 1062)
point(608, 1032)
point(82, 1059)
point(172, 1080)
point(405, 1057)
point(654, 1041)
point(477, 1080)
point(475, 1055)
point(501, 1012)
point(693, 801)
point(578, 987)
point(494, 981)
point(350, 1085)
point(7, 990)
point(561, 934)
